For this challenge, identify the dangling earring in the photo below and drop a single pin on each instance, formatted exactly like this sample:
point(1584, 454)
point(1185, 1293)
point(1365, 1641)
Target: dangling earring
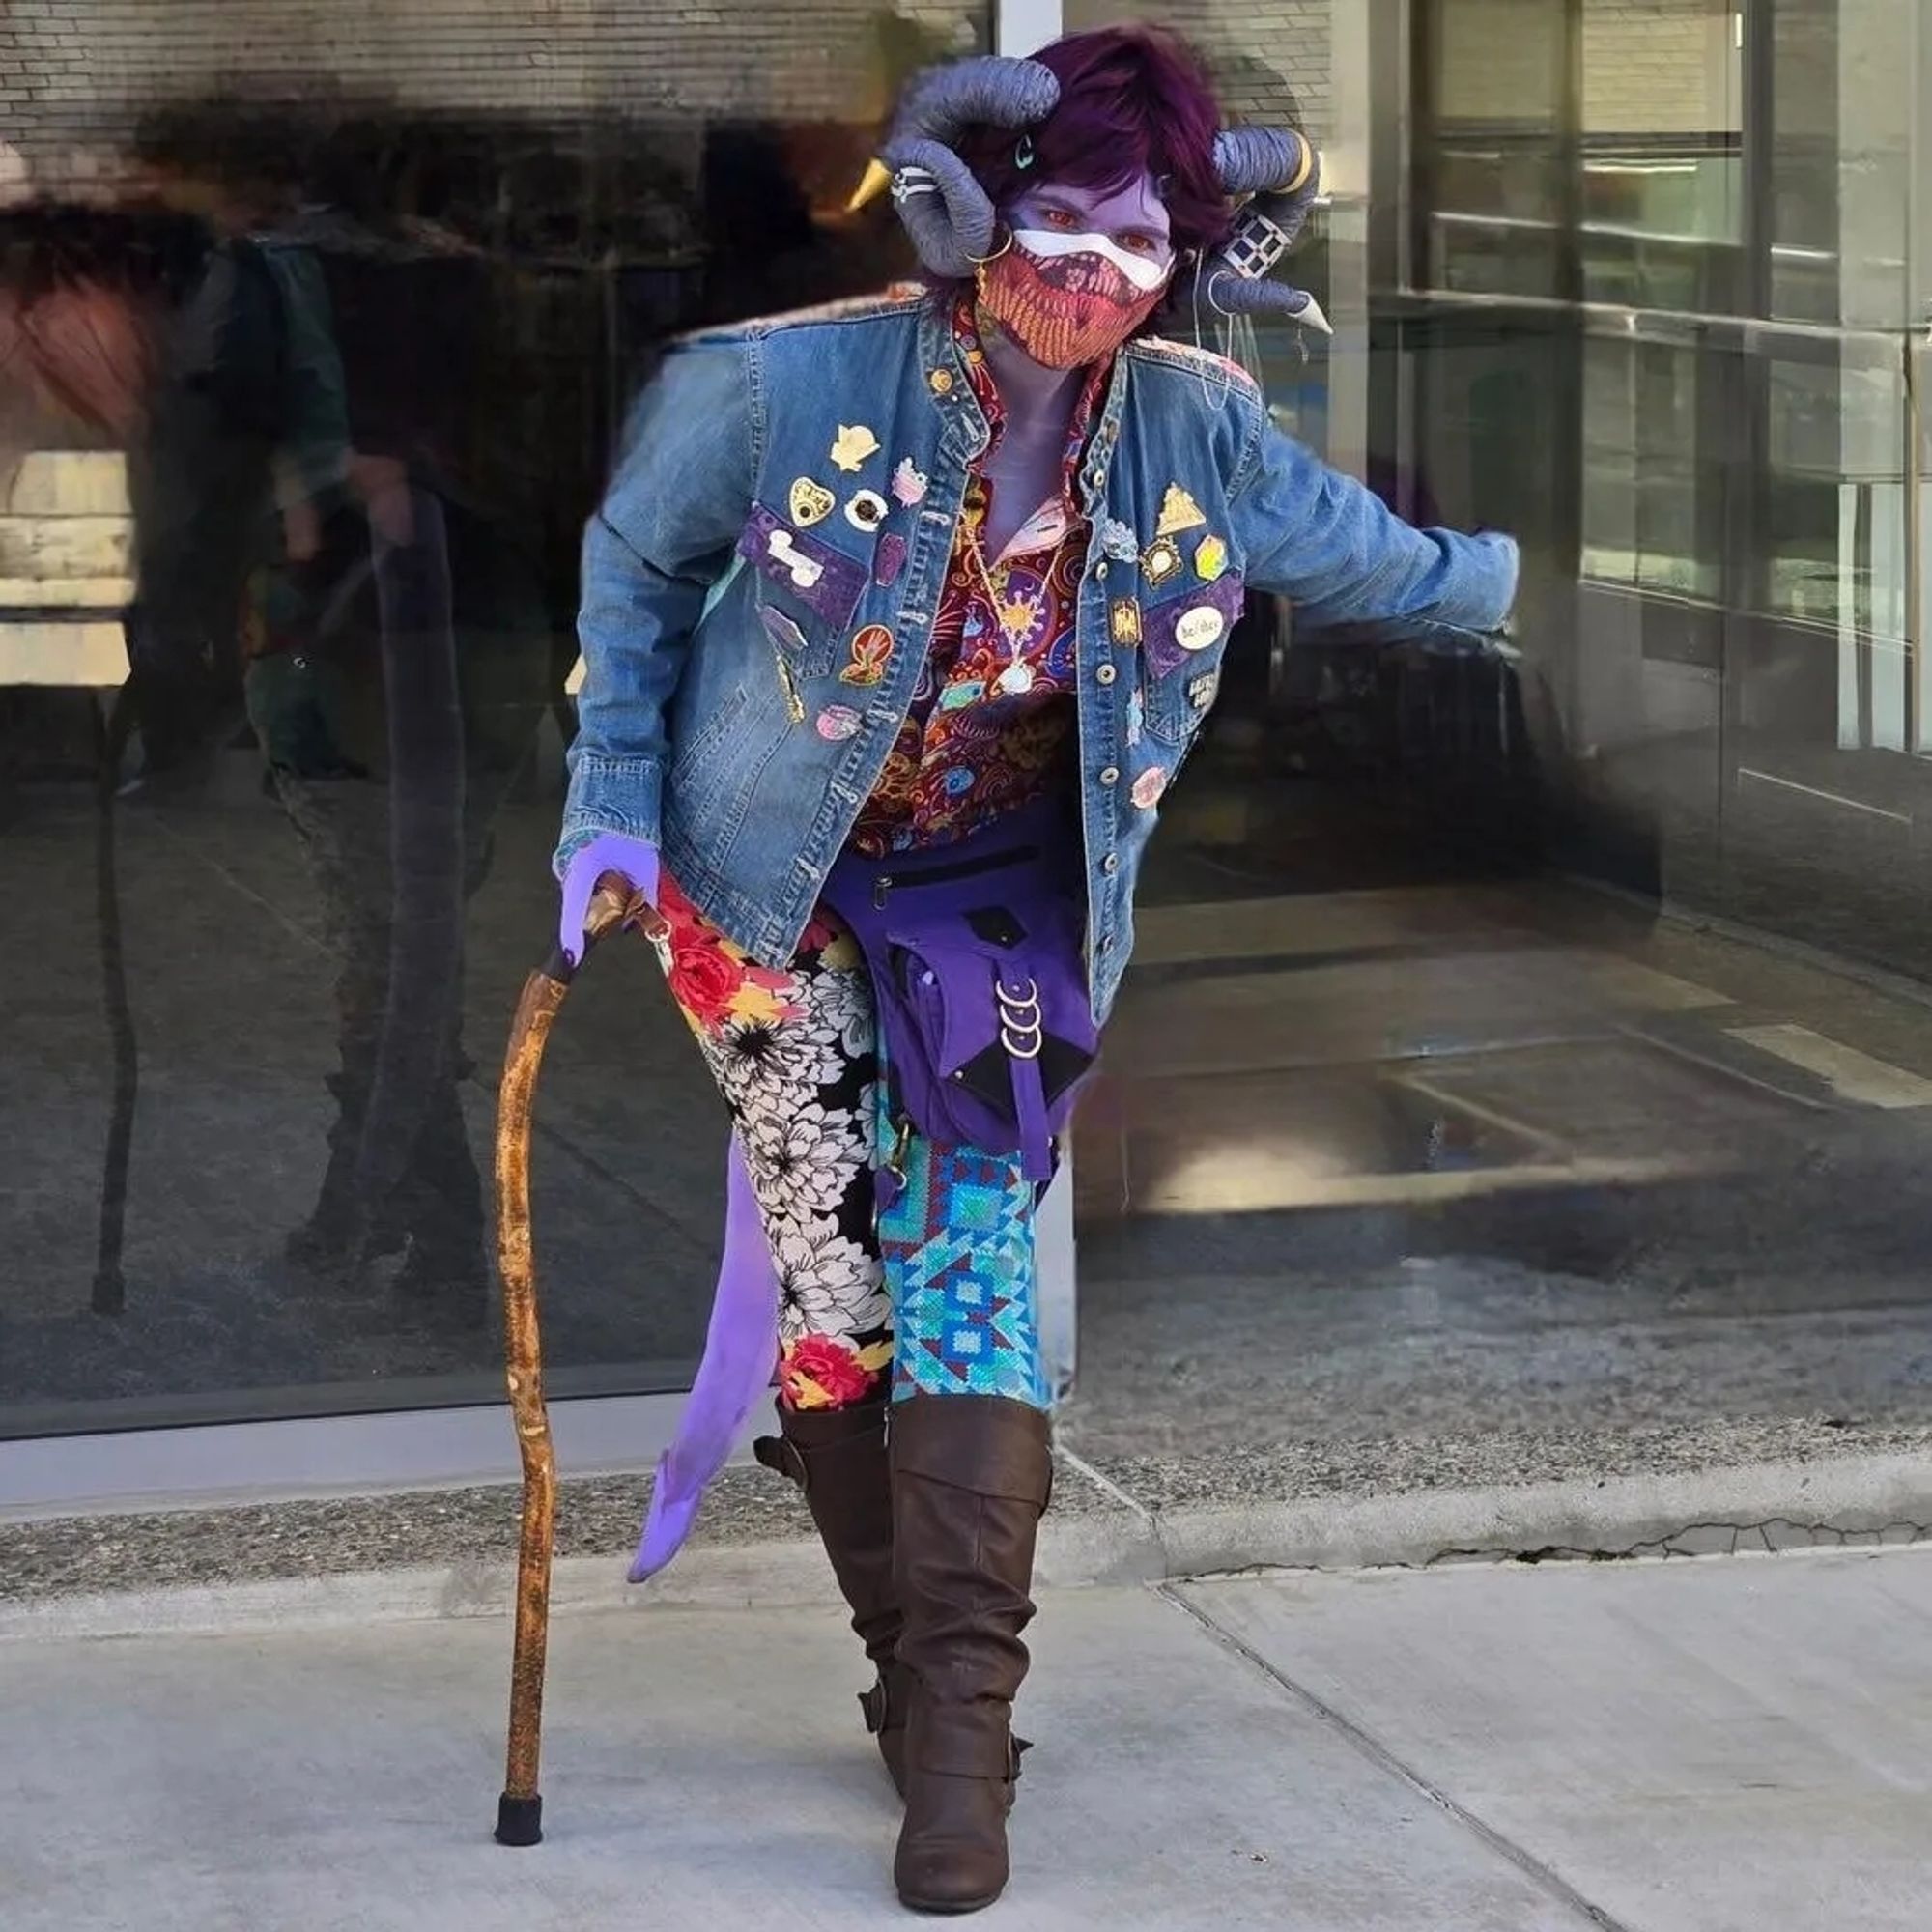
point(1023, 153)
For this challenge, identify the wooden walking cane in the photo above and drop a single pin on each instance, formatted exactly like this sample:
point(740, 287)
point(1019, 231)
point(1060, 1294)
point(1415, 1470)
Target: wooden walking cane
point(520, 1810)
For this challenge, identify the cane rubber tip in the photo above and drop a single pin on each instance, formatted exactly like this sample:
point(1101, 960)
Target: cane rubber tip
point(519, 1820)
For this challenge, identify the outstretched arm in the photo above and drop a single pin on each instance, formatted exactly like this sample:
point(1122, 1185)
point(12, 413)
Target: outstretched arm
point(1331, 546)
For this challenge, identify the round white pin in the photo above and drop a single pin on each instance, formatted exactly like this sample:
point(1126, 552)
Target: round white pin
point(1199, 629)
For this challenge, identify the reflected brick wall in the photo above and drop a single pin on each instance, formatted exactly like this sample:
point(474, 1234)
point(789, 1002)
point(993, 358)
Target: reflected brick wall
point(1650, 67)
point(1270, 58)
point(77, 74)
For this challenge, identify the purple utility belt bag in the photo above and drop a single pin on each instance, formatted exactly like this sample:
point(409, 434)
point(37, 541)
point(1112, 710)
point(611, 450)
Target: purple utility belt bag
point(977, 954)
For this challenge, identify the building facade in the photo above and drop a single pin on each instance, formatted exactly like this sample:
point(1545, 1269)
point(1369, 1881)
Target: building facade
point(1646, 281)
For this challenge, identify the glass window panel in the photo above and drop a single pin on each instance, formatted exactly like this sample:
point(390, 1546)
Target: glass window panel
point(1641, 477)
point(315, 342)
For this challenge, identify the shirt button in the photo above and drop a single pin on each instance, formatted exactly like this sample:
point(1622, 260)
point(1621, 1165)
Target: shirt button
point(941, 380)
point(1111, 864)
point(1106, 673)
point(1111, 776)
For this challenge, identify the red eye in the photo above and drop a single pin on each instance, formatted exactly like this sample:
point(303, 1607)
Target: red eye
point(1059, 217)
point(1138, 245)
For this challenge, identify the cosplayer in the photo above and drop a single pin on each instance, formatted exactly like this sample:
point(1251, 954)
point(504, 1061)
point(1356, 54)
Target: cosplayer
point(899, 620)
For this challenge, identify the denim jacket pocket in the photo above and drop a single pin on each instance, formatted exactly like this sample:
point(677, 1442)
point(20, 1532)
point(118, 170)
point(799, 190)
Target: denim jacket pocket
point(807, 590)
point(1183, 638)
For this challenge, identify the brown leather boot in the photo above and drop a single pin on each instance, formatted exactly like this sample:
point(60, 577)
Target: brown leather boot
point(837, 1457)
point(970, 1476)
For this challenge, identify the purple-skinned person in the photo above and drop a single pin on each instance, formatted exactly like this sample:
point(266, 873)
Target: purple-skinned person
point(873, 581)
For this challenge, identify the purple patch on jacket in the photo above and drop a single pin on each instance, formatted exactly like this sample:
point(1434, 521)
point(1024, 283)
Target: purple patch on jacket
point(1170, 629)
point(823, 578)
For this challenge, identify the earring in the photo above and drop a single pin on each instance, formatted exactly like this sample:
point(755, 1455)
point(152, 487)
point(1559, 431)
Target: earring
point(981, 261)
point(1023, 153)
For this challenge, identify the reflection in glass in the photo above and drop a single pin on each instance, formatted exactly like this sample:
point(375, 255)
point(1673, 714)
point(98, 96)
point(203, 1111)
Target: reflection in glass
point(306, 387)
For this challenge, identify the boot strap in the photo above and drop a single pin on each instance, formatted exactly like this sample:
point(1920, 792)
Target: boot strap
point(1016, 1751)
point(881, 1709)
point(965, 1741)
point(778, 1452)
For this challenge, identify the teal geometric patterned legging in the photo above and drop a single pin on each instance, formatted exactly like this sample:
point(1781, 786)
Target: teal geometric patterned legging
point(937, 1290)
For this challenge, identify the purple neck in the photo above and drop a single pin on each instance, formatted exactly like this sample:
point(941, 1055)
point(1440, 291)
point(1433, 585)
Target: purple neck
point(1037, 400)
point(1025, 467)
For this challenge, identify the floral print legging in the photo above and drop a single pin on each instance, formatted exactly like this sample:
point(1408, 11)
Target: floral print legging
point(937, 1290)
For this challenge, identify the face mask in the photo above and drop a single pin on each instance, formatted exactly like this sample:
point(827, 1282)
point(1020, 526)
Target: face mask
point(1069, 299)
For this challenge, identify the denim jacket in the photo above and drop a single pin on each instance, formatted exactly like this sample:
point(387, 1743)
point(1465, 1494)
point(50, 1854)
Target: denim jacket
point(792, 484)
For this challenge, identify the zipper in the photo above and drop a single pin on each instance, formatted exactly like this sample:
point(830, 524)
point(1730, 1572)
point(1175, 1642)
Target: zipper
point(962, 869)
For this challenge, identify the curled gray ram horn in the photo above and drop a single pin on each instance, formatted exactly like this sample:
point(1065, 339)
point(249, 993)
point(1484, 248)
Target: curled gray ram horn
point(945, 210)
point(1282, 171)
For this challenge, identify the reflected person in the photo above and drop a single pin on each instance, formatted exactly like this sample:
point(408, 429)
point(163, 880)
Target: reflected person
point(399, 671)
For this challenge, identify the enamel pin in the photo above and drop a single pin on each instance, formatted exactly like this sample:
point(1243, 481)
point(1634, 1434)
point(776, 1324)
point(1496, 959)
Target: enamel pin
point(811, 502)
point(909, 485)
point(1199, 629)
point(867, 511)
point(1179, 511)
point(872, 648)
point(852, 445)
point(1160, 561)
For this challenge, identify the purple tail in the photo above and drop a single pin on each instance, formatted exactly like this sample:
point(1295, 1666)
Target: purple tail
point(741, 1352)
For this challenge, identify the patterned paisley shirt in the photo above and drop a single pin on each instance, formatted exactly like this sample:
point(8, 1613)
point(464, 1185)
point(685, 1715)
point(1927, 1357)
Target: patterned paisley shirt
point(969, 749)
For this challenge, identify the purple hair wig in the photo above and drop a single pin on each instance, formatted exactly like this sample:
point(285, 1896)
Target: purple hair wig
point(1133, 100)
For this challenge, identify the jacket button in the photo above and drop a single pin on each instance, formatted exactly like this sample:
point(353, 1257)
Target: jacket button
point(941, 380)
point(1101, 569)
point(1106, 673)
point(1111, 864)
point(1111, 776)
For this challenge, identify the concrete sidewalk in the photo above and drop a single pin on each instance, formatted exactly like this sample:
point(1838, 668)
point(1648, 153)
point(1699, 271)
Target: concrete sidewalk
point(1714, 1745)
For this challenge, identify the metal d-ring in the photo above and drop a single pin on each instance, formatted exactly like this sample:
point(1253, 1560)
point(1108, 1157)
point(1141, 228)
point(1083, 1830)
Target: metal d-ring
point(1020, 1030)
point(1027, 1047)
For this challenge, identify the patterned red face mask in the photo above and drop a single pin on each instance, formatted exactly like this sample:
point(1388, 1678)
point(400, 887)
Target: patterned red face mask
point(1068, 308)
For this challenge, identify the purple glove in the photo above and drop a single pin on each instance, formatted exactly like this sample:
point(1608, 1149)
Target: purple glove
point(632, 859)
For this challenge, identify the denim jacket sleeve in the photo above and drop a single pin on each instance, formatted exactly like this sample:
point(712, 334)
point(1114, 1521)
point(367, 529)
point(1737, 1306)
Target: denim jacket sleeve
point(651, 554)
point(1328, 544)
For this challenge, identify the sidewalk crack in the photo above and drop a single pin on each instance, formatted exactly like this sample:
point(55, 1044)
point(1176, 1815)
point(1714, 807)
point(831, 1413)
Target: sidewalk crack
point(1773, 1535)
point(1378, 1753)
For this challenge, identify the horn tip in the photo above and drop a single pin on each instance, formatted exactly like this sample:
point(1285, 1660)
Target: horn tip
point(876, 179)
